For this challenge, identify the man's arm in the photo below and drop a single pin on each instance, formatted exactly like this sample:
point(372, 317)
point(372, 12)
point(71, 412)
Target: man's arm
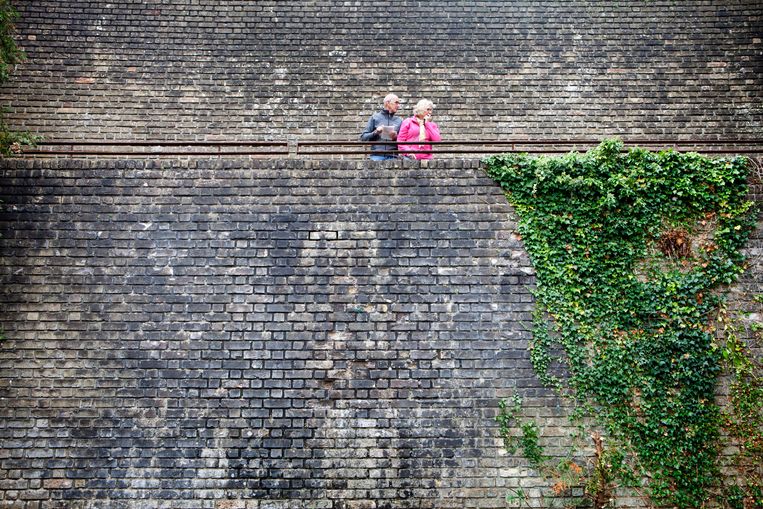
point(370, 133)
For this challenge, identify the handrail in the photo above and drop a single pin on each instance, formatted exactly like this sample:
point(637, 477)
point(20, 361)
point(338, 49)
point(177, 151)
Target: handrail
point(206, 148)
point(295, 148)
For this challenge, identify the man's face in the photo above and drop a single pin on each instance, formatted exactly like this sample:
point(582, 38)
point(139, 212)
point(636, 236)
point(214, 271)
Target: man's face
point(393, 105)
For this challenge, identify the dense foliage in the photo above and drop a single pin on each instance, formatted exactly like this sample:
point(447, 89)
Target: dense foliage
point(10, 55)
point(629, 250)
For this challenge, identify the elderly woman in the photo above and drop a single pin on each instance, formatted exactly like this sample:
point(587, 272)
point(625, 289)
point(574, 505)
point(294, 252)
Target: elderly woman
point(419, 128)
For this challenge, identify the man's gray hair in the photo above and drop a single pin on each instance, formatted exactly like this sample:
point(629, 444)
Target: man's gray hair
point(390, 98)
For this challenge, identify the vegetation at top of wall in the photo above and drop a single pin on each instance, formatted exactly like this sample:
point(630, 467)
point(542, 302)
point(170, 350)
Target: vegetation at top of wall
point(10, 55)
point(630, 251)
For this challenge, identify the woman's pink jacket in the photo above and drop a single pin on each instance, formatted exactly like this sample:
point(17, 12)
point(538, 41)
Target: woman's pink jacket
point(409, 131)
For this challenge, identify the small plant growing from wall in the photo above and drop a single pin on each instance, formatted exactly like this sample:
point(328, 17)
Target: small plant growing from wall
point(631, 251)
point(11, 142)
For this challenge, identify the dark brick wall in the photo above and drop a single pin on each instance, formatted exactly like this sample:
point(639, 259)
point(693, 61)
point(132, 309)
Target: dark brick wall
point(318, 334)
point(302, 333)
point(203, 69)
point(265, 334)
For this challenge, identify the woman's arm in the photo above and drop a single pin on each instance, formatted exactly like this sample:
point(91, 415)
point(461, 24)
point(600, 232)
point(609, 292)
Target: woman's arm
point(403, 134)
point(405, 128)
point(433, 131)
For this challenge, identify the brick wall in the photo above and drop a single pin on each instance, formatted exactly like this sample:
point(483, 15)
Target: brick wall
point(203, 69)
point(264, 334)
point(319, 334)
point(304, 333)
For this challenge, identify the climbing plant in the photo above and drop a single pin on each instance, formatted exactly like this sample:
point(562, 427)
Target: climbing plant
point(10, 55)
point(630, 251)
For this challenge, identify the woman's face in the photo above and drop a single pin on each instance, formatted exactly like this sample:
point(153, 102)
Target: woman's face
point(426, 113)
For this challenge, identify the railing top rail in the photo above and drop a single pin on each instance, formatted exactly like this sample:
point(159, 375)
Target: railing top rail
point(162, 143)
point(543, 142)
point(292, 148)
point(517, 141)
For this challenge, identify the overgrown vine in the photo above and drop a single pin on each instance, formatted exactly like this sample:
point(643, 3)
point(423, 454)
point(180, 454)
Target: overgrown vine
point(630, 250)
point(11, 142)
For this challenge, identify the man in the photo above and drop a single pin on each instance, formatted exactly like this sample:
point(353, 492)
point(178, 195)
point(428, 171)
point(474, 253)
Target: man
point(383, 126)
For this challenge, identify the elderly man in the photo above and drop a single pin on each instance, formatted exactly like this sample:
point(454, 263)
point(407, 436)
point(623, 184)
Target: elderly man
point(383, 126)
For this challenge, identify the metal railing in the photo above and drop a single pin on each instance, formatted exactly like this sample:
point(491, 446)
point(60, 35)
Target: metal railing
point(334, 148)
point(156, 148)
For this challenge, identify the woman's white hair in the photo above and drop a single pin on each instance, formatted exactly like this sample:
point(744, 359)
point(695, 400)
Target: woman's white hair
point(422, 106)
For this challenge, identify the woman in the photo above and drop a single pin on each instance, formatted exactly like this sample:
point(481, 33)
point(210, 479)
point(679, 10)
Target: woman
point(419, 128)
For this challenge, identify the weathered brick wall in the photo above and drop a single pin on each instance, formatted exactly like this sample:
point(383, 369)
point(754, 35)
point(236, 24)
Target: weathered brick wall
point(306, 334)
point(280, 334)
point(318, 334)
point(203, 69)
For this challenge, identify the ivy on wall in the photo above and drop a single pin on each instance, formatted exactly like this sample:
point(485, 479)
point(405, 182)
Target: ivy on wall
point(10, 55)
point(630, 249)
